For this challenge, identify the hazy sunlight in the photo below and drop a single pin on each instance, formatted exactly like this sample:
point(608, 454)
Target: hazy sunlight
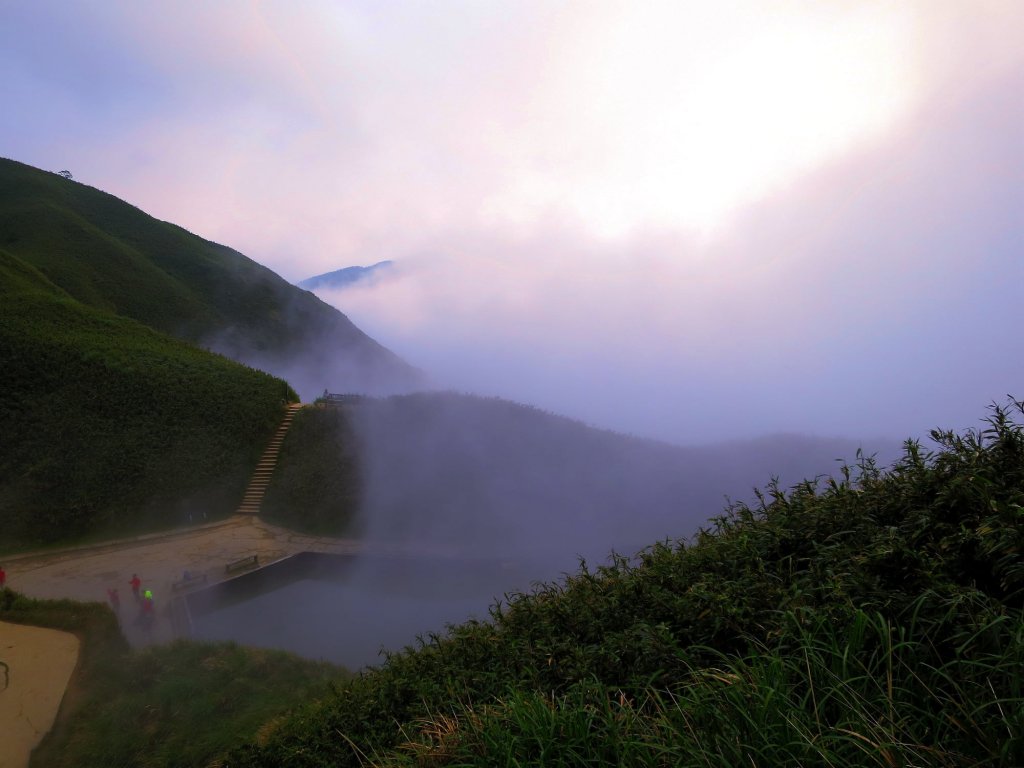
point(671, 116)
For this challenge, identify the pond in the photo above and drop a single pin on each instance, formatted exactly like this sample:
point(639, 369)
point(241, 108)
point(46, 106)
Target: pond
point(346, 608)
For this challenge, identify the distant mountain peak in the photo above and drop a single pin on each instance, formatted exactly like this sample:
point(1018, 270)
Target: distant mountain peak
point(343, 278)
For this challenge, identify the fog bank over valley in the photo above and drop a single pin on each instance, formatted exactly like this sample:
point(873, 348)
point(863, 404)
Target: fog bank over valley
point(456, 475)
point(459, 501)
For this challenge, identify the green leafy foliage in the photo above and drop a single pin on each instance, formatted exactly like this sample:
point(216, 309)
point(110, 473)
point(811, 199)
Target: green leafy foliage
point(874, 620)
point(111, 427)
point(316, 486)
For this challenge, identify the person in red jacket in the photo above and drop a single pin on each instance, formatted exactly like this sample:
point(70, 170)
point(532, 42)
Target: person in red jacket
point(3, 577)
point(136, 582)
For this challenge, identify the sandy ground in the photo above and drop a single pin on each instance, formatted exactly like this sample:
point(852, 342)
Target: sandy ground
point(160, 560)
point(41, 662)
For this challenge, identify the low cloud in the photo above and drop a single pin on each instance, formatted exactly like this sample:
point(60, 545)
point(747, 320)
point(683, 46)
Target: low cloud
point(875, 297)
point(508, 157)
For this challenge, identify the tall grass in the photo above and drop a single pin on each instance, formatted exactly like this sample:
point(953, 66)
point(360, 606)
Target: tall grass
point(872, 694)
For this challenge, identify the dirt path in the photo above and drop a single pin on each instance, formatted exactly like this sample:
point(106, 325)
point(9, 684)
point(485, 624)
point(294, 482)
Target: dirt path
point(40, 662)
point(160, 560)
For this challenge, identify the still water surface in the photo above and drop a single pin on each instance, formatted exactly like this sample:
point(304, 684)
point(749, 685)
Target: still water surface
point(348, 611)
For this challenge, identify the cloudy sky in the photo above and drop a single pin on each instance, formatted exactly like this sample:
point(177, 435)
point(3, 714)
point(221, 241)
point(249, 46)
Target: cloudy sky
point(681, 219)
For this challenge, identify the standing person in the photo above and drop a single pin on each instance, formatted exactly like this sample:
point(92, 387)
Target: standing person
point(136, 582)
point(146, 617)
point(3, 577)
point(115, 600)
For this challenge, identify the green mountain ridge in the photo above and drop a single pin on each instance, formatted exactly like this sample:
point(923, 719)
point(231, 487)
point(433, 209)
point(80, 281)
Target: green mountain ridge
point(112, 256)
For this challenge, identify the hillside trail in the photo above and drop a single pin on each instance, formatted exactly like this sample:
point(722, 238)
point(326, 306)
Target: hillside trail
point(260, 480)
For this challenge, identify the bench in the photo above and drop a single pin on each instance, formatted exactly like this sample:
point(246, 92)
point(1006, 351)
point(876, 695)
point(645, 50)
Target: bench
point(191, 581)
point(242, 565)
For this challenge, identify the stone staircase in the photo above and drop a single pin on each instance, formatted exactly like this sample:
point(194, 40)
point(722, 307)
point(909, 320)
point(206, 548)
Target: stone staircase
point(265, 468)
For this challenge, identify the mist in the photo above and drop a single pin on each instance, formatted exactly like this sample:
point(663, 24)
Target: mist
point(682, 220)
point(708, 224)
point(468, 500)
point(311, 346)
point(874, 297)
point(451, 475)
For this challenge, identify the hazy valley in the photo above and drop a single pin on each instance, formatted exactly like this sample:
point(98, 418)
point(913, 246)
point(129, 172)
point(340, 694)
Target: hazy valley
point(143, 373)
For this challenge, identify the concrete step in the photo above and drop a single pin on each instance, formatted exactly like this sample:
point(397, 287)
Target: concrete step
point(261, 475)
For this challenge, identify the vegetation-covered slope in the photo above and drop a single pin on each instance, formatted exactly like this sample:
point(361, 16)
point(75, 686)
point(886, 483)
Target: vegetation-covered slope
point(177, 705)
point(112, 256)
point(317, 485)
point(874, 621)
point(111, 426)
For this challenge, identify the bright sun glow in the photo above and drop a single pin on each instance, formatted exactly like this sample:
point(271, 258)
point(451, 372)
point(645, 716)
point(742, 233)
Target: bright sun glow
point(670, 116)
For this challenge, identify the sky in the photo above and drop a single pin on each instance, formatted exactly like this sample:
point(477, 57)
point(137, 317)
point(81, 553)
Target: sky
point(686, 220)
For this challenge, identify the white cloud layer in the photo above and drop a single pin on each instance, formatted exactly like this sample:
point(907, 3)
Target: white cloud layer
point(682, 219)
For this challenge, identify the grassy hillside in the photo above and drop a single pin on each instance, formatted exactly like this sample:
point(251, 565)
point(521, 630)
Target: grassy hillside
point(876, 620)
point(317, 485)
point(112, 256)
point(177, 705)
point(112, 427)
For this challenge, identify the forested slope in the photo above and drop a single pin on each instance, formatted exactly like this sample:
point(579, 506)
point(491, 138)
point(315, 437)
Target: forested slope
point(110, 426)
point(112, 256)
